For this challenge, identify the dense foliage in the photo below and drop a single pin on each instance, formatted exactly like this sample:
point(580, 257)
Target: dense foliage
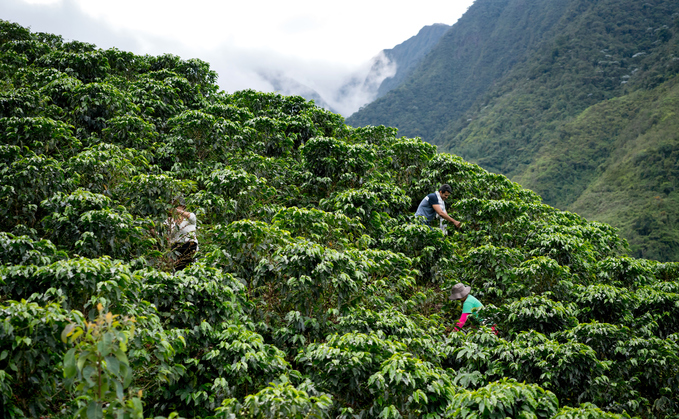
point(314, 293)
point(575, 100)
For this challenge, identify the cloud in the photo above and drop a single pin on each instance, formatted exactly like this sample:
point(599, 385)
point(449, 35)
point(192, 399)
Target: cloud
point(54, 17)
point(341, 88)
point(362, 87)
point(299, 24)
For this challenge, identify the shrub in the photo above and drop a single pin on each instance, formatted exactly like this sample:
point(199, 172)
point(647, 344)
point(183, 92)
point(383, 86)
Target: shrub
point(196, 136)
point(586, 411)
point(427, 247)
point(193, 295)
point(604, 303)
point(537, 313)
point(603, 338)
point(239, 246)
point(660, 307)
point(668, 272)
point(93, 104)
point(280, 400)
point(569, 370)
point(99, 369)
point(505, 398)
point(406, 385)
point(231, 195)
point(624, 272)
point(22, 250)
point(268, 136)
point(103, 167)
point(84, 223)
point(222, 361)
point(87, 66)
point(408, 158)
point(309, 278)
point(31, 352)
point(372, 203)
point(24, 183)
point(489, 270)
point(151, 195)
point(41, 135)
point(157, 100)
point(542, 275)
point(130, 131)
point(326, 228)
point(344, 363)
point(650, 366)
point(566, 249)
point(338, 160)
point(78, 280)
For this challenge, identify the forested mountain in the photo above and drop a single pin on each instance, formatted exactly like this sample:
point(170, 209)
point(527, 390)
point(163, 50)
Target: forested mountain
point(575, 100)
point(314, 292)
point(385, 71)
point(409, 54)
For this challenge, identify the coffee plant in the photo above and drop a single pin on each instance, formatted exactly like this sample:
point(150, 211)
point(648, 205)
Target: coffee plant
point(314, 292)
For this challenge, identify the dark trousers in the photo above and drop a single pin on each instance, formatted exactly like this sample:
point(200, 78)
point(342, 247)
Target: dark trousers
point(183, 254)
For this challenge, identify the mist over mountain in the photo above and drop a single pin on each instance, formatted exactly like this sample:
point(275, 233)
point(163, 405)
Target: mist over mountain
point(410, 53)
point(384, 72)
point(474, 54)
point(286, 85)
point(576, 100)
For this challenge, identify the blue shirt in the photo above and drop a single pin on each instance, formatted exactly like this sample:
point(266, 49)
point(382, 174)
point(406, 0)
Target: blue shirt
point(426, 209)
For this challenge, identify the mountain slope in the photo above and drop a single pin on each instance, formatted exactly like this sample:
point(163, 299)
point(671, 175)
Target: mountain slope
point(534, 123)
point(595, 53)
point(408, 55)
point(384, 72)
point(474, 54)
point(637, 188)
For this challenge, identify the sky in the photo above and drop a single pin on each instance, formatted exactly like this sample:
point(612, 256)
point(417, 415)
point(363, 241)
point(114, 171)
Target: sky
point(306, 44)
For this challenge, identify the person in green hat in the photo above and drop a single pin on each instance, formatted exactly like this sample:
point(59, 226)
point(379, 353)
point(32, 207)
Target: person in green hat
point(470, 305)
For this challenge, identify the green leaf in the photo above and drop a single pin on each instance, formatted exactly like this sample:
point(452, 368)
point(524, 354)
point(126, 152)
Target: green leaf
point(70, 369)
point(94, 410)
point(120, 354)
point(119, 390)
point(113, 365)
point(127, 375)
point(82, 359)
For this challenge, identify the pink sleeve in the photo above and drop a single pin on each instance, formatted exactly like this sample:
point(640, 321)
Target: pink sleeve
point(463, 319)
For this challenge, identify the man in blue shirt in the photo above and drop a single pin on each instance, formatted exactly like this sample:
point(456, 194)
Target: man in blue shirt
point(433, 205)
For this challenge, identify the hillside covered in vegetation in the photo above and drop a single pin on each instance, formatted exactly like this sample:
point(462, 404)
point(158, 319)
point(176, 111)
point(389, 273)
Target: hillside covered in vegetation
point(409, 54)
point(575, 100)
point(314, 293)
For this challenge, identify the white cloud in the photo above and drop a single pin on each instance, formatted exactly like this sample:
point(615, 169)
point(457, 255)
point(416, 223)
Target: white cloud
point(319, 45)
point(299, 24)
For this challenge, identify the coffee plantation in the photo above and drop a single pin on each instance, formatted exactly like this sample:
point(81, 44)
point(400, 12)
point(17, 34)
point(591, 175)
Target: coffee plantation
point(314, 293)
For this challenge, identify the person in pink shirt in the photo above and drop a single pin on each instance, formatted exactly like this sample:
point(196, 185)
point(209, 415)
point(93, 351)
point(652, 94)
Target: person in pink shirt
point(470, 305)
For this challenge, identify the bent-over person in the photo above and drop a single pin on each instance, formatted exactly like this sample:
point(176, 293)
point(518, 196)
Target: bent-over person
point(470, 305)
point(182, 234)
point(433, 206)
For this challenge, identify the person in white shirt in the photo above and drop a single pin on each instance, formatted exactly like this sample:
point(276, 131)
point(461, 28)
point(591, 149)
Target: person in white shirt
point(182, 234)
